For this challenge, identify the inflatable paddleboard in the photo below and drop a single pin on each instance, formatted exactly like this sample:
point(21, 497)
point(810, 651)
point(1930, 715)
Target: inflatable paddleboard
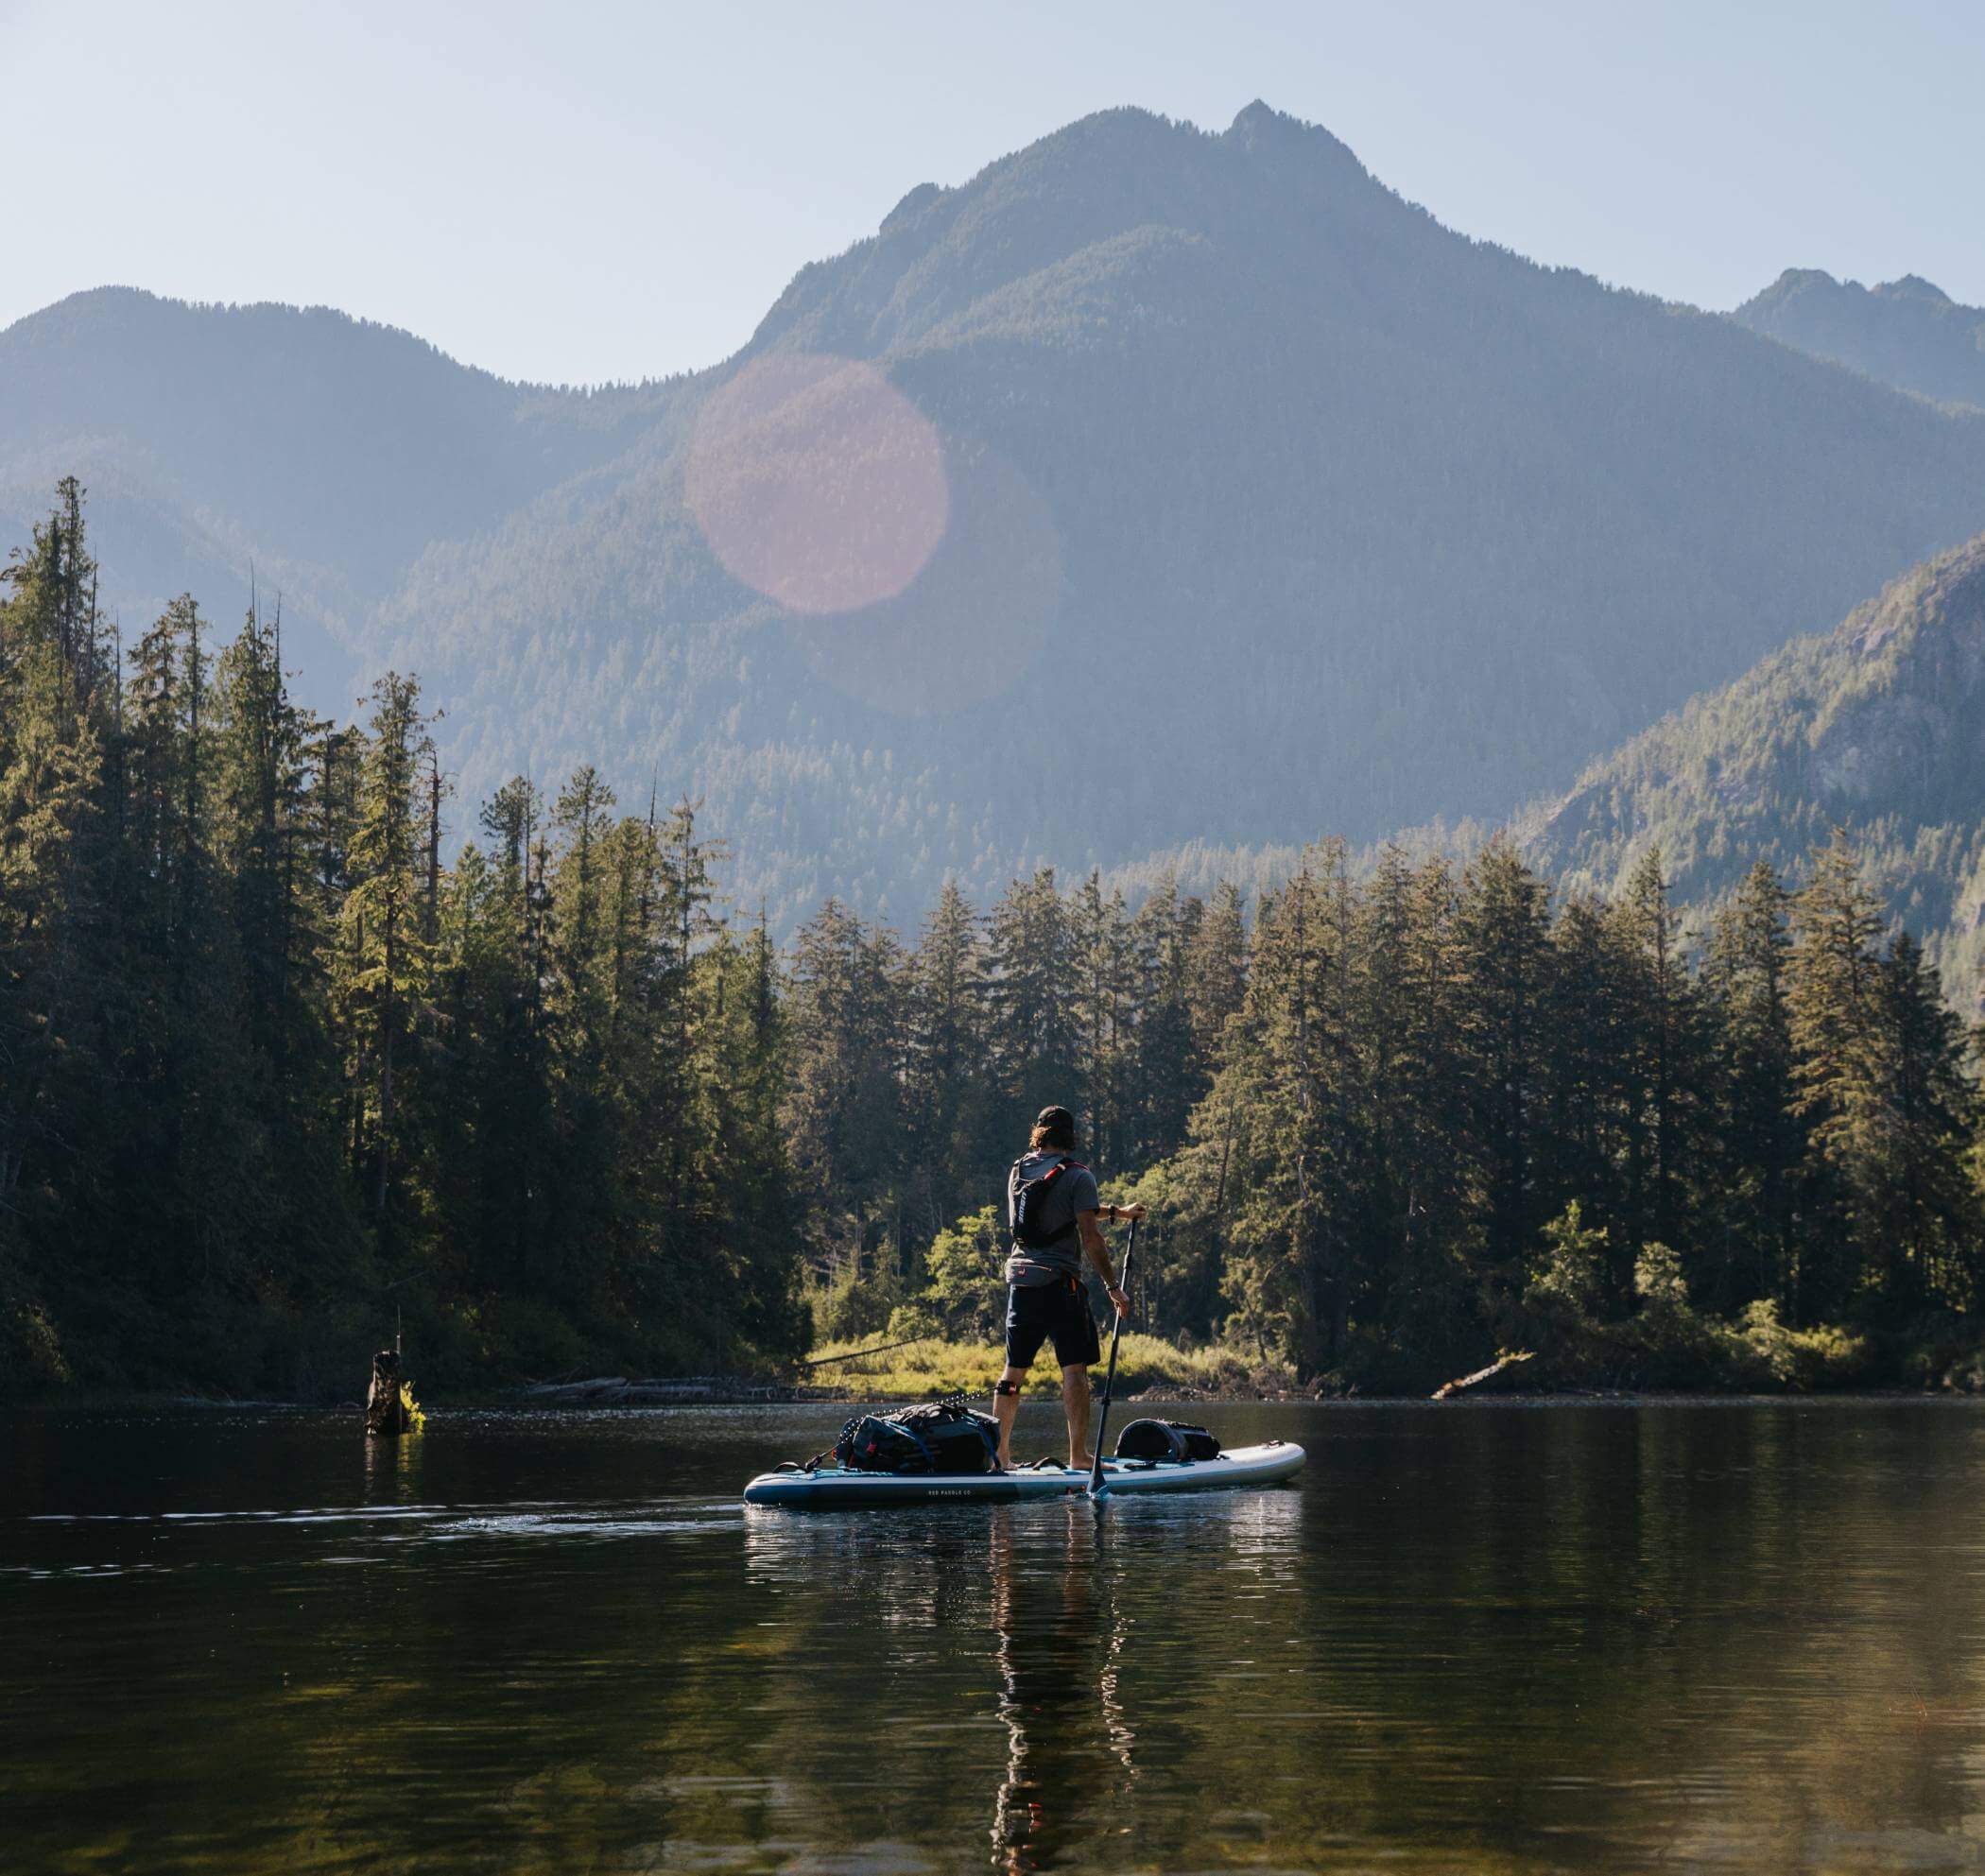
point(834, 1486)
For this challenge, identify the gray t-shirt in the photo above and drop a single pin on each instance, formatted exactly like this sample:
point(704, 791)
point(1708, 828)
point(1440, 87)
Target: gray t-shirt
point(1075, 1191)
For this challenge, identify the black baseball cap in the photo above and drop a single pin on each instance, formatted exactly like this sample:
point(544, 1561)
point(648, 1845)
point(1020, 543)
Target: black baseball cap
point(1058, 1119)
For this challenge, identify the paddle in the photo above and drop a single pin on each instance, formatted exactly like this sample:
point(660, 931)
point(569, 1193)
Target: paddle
point(1098, 1489)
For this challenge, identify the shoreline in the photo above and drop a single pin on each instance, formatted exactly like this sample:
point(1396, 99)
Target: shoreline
point(649, 1399)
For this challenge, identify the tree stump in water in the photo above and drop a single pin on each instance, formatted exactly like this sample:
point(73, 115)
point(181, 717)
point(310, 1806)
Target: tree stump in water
point(385, 1415)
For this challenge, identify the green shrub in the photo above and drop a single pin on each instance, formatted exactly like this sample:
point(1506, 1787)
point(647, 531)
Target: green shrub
point(964, 1300)
point(1571, 1265)
point(855, 1304)
point(31, 1356)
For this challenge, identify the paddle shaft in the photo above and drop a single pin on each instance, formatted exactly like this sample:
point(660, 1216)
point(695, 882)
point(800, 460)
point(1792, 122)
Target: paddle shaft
point(1116, 1334)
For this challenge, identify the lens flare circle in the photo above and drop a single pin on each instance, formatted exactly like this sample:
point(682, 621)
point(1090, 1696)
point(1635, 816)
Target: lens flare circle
point(971, 625)
point(817, 483)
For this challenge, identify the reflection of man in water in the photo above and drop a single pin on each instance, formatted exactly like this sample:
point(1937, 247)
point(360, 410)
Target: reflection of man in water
point(1068, 1747)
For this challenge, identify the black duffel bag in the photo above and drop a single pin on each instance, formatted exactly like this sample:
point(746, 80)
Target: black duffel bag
point(872, 1444)
point(942, 1437)
point(1165, 1439)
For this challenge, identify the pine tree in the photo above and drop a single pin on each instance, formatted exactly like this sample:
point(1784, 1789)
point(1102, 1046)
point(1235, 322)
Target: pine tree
point(51, 768)
point(685, 917)
point(843, 1116)
point(1216, 968)
point(1168, 1076)
point(1757, 1141)
point(386, 965)
point(1657, 1044)
point(582, 937)
point(1594, 1123)
point(758, 1226)
point(1834, 999)
point(1929, 1220)
point(1102, 1009)
point(1406, 985)
point(261, 815)
point(500, 1067)
point(947, 1037)
point(1294, 1204)
point(1500, 935)
point(1030, 956)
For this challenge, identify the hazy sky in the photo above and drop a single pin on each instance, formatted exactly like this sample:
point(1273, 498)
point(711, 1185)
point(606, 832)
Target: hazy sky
point(595, 191)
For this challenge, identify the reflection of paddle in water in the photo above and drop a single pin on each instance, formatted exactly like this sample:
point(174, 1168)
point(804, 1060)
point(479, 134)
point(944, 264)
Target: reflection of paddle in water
point(1059, 1644)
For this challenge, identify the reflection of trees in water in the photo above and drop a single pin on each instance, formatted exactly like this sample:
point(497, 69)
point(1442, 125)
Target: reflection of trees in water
point(1060, 1641)
point(1736, 1637)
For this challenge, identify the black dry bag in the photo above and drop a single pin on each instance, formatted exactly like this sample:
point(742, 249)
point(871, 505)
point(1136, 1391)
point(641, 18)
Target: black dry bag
point(958, 1438)
point(943, 1437)
point(872, 1444)
point(1165, 1439)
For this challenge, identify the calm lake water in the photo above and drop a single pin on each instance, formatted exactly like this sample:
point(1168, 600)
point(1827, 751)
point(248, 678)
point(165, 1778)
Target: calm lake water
point(1482, 1638)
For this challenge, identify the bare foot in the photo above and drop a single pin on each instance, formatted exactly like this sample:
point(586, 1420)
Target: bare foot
point(1086, 1463)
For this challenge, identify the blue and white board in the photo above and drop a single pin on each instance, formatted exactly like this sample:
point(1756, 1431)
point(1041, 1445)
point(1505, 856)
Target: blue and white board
point(832, 1486)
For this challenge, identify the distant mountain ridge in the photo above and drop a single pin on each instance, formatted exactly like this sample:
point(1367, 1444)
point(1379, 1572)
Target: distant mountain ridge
point(1877, 727)
point(326, 450)
point(1273, 507)
point(1906, 333)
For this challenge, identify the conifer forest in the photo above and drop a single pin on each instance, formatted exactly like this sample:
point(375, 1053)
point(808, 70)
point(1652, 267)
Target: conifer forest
point(295, 1045)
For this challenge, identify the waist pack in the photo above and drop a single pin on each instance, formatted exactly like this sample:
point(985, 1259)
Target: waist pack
point(942, 1437)
point(1165, 1439)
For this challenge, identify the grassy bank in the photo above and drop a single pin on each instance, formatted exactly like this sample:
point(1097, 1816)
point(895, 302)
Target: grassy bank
point(1664, 1348)
point(934, 1367)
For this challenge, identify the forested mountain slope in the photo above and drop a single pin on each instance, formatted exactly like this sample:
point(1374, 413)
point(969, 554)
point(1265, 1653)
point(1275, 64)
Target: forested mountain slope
point(1186, 486)
point(325, 451)
point(1877, 727)
point(1906, 333)
point(1274, 506)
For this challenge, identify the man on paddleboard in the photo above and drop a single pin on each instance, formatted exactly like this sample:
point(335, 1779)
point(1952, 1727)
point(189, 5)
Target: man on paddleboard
point(1053, 1208)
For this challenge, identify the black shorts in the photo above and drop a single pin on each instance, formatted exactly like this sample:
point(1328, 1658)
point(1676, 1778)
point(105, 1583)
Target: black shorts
point(1035, 1312)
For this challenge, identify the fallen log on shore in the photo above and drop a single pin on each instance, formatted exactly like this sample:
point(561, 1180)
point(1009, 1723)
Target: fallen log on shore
point(576, 1390)
point(1500, 1365)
